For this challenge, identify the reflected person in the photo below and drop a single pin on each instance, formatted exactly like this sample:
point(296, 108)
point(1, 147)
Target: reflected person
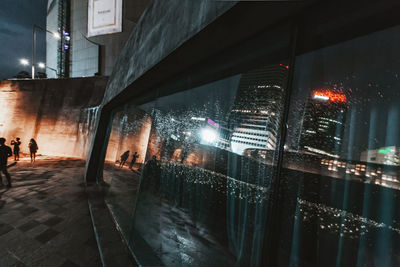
point(124, 158)
point(151, 174)
point(135, 156)
point(16, 149)
point(33, 148)
point(183, 155)
point(5, 152)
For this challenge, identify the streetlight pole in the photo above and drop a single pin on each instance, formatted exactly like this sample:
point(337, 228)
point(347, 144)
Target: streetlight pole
point(41, 65)
point(34, 51)
point(55, 35)
point(53, 70)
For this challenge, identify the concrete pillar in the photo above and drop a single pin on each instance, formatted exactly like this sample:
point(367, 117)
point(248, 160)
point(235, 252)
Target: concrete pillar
point(98, 148)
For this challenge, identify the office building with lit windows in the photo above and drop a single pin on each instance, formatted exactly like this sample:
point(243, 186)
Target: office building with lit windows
point(323, 121)
point(257, 109)
point(385, 155)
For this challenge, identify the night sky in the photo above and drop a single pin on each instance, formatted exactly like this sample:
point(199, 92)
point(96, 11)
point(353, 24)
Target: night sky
point(16, 21)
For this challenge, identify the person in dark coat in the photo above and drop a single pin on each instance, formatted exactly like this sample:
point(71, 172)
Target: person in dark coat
point(124, 158)
point(33, 148)
point(16, 145)
point(135, 156)
point(5, 152)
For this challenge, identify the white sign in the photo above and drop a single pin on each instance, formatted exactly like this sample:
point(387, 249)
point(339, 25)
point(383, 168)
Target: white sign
point(104, 17)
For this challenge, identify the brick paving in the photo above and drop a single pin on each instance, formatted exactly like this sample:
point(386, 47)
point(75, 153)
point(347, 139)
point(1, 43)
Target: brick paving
point(44, 217)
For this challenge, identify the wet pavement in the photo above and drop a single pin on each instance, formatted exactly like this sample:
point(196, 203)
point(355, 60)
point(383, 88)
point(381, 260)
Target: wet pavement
point(44, 217)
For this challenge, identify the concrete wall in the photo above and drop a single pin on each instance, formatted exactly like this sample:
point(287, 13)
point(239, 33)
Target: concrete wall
point(165, 25)
point(112, 44)
point(59, 114)
point(98, 54)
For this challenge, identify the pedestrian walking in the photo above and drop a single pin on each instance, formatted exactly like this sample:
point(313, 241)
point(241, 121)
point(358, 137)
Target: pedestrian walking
point(16, 145)
point(135, 156)
point(124, 158)
point(5, 152)
point(33, 148)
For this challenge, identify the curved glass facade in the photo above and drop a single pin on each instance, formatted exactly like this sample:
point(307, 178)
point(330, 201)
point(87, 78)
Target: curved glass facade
point(191, 173)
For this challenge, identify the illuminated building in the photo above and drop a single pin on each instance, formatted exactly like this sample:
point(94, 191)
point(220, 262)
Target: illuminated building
point(76, 54)
point(385, 155)
point(323, 123)
point(254, 119)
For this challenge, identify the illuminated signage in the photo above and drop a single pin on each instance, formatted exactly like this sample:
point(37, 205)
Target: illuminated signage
point(198, 119)
point(386, 150)
point(329, 95)
point(104, 17)
point(213, 123)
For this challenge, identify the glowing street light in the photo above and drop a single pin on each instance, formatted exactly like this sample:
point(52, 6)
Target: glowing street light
point(24, 61)
point(56, 35)
point(208, 135)
point(43, 66)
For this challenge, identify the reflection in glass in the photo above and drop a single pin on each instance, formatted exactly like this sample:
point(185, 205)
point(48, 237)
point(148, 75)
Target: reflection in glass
point(124, 160)
point(341, 160)
point(206, 159)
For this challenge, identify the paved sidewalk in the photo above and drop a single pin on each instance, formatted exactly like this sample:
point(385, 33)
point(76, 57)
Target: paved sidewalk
point(44, 217)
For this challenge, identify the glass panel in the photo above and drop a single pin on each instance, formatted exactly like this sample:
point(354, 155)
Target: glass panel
point(210, 161)
point(341, 162)
point(124, 159)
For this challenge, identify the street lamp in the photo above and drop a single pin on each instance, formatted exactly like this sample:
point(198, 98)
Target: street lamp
point(56, 35)
point(43, 66)
point(24, 61)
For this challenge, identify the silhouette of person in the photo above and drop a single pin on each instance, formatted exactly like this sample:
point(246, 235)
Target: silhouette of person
point(33, 148)
point(16, 145)
point(135, 156)
point(5, 152)
point(151, 175)
point(183, 155)
point(124, 157)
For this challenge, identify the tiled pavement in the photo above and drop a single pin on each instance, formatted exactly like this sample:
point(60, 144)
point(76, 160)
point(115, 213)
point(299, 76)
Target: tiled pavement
point(44, 217)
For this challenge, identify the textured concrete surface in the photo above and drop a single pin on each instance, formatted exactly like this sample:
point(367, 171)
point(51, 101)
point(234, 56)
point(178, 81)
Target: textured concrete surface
point(59, 114)
point(44, 217)
point(114, 251)
point(164, 26)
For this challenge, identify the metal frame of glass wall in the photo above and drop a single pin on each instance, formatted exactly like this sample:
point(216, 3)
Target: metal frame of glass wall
point(273, 233)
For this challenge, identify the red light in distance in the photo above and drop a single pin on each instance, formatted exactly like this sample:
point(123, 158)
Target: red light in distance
point(329, 95)
point(286, 66)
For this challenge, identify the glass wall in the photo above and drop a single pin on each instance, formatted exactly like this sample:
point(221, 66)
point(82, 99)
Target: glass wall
point(340, 178)
point(195, 184)
point(190, 174)
point(124, 160)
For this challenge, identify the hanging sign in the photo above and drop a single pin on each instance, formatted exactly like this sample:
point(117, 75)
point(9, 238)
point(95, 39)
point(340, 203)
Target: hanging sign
point(104, 17)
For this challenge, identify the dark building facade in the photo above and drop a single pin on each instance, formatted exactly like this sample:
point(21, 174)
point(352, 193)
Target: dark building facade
point(75, 54)
point(323, 125)
point(255, 116)
point(200, 204)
